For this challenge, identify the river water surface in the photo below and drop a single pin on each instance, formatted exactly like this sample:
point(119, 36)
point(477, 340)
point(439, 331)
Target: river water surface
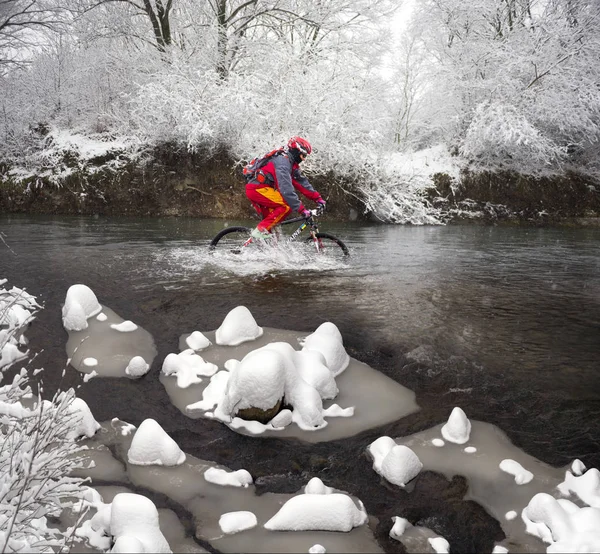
point(502, 321)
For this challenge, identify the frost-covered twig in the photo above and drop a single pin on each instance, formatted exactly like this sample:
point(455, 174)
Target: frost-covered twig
point(38, 451)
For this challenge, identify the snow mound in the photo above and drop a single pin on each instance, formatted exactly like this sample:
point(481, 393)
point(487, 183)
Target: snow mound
point(318, 512)
point(521, 475)
point(458, 427)
point(136, 367)
point(316, 486)
point(282, 419)
point(82, 422)
point(258, 381)
point(152, 446)
point(128, 545)
point(80, 304)
point(563, 524)
point(440, 545)
point(239, 478)
point(327, 340)
point(134, 523)
point(399, 527)
point(311, 366)
point(234, 522)
point(586, 486)
point(238, 326)
point(578, 467)
point(197, 341)
point(396, 463)
point(126, 326)
point(187, 366)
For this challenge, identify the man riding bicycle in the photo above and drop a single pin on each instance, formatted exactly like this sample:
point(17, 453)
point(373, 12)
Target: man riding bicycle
point(272, 184)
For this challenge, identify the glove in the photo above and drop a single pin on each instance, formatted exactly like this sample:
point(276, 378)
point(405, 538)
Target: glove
point(322, 204)
point(305, 213)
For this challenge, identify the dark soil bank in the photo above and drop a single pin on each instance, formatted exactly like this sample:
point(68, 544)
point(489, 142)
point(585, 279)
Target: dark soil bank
point(174, 182)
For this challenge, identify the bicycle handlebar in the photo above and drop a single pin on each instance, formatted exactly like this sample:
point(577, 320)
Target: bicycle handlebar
point(313, 213)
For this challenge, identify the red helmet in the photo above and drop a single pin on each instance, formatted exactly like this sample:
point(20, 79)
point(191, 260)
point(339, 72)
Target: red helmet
point(300, 144)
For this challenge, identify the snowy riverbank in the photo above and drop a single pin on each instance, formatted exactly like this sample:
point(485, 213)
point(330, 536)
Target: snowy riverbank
point(95, 175)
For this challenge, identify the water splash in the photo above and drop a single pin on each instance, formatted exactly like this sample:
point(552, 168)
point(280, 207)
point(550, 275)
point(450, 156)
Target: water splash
point(281, 258)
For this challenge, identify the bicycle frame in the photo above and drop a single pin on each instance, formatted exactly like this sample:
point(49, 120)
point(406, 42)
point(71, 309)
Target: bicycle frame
point(321, 241)
point(314, 229)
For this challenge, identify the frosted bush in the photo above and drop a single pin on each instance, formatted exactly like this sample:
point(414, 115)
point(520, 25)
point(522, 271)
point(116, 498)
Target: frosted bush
point(39, 450)
point(500, 133)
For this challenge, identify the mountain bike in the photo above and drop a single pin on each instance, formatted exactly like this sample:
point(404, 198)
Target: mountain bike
point(237, 239)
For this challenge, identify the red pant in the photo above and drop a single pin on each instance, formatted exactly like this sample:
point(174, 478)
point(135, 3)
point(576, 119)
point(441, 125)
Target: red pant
point(269, 204)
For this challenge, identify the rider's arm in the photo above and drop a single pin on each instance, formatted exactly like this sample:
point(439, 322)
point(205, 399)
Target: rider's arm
point(283, 176)
point(301, 184)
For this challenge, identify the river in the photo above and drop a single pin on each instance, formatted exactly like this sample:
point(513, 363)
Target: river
point(502, 321)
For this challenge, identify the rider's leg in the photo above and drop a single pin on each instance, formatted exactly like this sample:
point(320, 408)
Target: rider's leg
point(273, 207)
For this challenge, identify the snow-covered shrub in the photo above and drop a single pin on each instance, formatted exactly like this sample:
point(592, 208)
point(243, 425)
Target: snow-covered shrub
point(500, 134)
point(37, 445)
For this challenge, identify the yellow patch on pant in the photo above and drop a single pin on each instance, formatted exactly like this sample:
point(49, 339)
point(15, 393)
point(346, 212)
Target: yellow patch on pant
point(271, 194)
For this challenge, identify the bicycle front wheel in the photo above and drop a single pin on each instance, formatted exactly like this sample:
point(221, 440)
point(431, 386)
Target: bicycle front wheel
point(231, 239)
point(328, 245)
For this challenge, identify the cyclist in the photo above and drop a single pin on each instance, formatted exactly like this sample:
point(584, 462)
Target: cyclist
point(272, 188)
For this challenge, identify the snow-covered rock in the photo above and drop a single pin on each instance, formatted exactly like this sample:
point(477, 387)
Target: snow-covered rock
point(136, 367)
point(152, 446)
point(282, 419)
point(328, 342)
point(316, 486)
point(586, 486)
point(80, 304)
point(82, 421)
point(399, 527)
point(197, 341)
point(578, 467)
point(234, 522)
point(134, 524)
point(128, 545)
point(439, 544)
point(238, 326)
point(188, 367)
point(458, 427)
point(521, 475)
point(563, 524)
point(311, 366)
point(396, 463)
point(259, 381)
point(318, 512)
point(126, 326)
point(239, 478)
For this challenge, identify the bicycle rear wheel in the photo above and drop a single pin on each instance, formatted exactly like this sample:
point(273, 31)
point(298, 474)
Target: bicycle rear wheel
point(328, 245)
point(231, 239)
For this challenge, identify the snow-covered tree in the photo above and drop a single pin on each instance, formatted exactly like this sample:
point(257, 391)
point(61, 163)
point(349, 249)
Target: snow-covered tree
point(37, 443)
point(519, 79)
